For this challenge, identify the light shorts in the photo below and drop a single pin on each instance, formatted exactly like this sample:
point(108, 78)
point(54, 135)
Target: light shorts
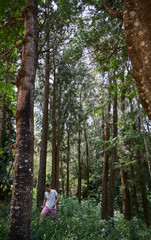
point(51, 211)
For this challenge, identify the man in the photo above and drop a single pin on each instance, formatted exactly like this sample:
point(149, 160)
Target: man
point(49, 204)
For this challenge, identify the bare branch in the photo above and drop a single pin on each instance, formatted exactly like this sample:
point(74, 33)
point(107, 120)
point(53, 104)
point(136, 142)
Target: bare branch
point(16, 45)
point(113, 12)
point(13, 22)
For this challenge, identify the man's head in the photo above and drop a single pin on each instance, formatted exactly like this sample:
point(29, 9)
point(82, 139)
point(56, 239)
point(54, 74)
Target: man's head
point(47, 187)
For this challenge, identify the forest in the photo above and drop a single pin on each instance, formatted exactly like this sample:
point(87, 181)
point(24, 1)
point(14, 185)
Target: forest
point(75, 111)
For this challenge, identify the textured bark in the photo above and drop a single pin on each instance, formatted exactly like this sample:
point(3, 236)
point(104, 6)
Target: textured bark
point(54, 127)
point(87, 161)
point(43, 151)
point(113, 159)
point(143, 188)
point(104, 214)
point(68, 159)
point(137, 21)
point(79, 166)
point(126, 205)
point(21, 202)
point(2, 117)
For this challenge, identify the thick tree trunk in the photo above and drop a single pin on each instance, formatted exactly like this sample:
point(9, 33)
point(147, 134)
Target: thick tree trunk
point(87, 161)
point(113, 159)
point(68, 159)
point(2, 117)
point(21, 202)
point(79, 166)
point(53, 184)
point(143, 188)
point(104, 214)
point(43, 151)
point(137, 21)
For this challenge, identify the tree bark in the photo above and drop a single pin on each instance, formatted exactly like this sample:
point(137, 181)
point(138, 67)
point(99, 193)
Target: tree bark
point(43, 151)
point(126, 205)
point(87, 161)
point(137, 21)
point(68, 159)
point(58, 141)
point(2, 117)
point(134, 190)
point(53, 184)
point(143, 188)
point(113, 159)
point(79, 166)
point(21, 202)
point(104, 214)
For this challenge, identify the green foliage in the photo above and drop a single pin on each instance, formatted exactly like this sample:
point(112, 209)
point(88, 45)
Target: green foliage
point(79, 221)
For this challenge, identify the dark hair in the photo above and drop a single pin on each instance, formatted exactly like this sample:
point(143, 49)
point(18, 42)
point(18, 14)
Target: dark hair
point(47, 185)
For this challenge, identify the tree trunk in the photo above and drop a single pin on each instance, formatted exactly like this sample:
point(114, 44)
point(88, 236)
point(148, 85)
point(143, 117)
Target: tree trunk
point(134, 190)
point(68, 159)
point(2, 118)
point(126, 205)
point(53, 184)
point(137, 21)
point(104, 214)
point(113, 159)
point(43, 151)
point(143, 188)
point(87, 161)
point(21, 202)
point(79, 166)
point(58, 141)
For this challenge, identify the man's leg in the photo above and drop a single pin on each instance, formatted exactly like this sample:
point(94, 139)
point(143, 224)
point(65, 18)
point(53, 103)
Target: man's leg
point(43, 213)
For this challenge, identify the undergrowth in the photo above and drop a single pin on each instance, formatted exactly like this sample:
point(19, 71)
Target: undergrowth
point(79, 221)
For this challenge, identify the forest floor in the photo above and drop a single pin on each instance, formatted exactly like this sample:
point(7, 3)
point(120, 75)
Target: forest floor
point(78, 221)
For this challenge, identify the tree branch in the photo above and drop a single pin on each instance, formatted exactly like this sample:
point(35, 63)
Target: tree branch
point(16, 45)
point(13, 22)
point(112, 11)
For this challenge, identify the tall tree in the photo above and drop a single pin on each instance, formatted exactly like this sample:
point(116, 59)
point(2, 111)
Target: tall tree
point(43, 151)
point(21, 202)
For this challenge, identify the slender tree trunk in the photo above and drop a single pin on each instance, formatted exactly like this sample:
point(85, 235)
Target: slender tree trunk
point(126, 205)
point(68, 159)
point(134, 190)
point(21, 202)
point(54, 127)
point(43, 151)
point(58, 140)
point(104, 214)
point(62, 178)
point(143, 188)
point(113, 159)
point(2, 117)
point(87, 161)
point(79, 166)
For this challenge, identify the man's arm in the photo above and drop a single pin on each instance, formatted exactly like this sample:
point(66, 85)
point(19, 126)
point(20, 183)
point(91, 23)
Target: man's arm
point(44, 202)
point(57, 199)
